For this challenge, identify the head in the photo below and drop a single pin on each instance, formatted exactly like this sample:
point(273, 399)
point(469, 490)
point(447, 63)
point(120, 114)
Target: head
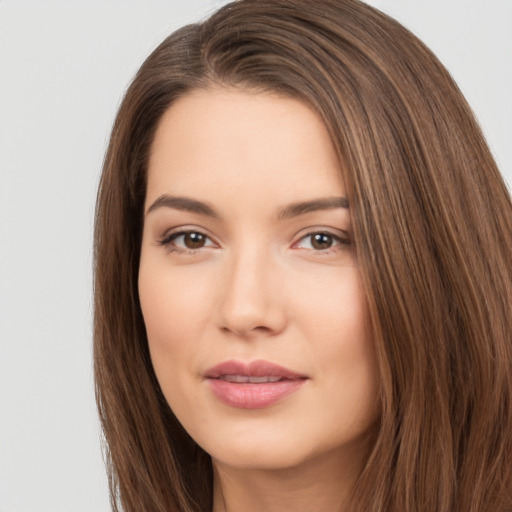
point(431, 223)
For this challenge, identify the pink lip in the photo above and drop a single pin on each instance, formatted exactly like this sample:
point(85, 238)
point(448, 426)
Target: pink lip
point(252, 395)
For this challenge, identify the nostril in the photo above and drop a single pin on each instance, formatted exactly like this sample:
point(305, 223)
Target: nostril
point(249, 332)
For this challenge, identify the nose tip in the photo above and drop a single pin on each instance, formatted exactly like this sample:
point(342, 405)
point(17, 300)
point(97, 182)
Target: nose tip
point(246, 321)
point(251, 304)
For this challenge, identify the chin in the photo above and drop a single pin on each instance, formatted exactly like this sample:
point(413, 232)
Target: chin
point(266, 458)
point(268, 450)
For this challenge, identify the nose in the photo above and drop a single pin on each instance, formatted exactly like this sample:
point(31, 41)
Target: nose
point(252, 302)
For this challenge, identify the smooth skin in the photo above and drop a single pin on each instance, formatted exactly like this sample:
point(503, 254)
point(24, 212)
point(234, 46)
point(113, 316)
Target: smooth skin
point(234, 270)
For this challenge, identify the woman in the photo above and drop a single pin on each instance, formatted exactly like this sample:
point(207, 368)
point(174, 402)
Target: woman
point(303, 274)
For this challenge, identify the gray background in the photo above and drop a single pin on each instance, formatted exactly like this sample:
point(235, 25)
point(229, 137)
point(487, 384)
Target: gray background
point(63, 69)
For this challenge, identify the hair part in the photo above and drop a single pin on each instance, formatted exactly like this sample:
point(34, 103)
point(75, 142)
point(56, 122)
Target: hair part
point(433, 228)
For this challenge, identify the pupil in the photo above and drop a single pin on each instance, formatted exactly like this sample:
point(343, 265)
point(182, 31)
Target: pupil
point(321, 241)
point(194, 240)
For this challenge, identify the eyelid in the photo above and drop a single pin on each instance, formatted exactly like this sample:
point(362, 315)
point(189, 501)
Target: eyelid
point(170, 235)
point(342, 238)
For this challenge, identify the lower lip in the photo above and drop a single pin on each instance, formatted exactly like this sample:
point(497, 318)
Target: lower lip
point(253, 396)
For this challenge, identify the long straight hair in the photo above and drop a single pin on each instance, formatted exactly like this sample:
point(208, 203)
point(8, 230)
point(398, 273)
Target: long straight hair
point(433, 229)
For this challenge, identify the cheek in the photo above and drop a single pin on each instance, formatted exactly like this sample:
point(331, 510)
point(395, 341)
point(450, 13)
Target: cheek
point(335, 316)
point(172, 306)
point(341, 346)
point(175, 306)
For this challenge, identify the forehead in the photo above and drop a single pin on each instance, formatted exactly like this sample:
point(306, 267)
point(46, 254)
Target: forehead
point(219, 142)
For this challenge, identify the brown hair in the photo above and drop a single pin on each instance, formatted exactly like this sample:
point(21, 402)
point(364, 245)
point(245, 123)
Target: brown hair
point(433, 229)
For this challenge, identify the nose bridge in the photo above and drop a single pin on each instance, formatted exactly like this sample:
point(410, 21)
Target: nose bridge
point(250, 300)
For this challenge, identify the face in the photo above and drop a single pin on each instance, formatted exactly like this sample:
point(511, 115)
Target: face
point(249, 283)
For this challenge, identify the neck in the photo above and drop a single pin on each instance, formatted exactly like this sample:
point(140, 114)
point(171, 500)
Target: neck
point(323, 485)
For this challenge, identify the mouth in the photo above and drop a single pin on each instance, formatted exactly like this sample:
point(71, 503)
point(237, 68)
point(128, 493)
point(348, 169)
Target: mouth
point(245, 379)
point(256, 385)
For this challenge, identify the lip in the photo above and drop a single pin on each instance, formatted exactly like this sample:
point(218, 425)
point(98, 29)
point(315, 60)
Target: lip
point(252, 395)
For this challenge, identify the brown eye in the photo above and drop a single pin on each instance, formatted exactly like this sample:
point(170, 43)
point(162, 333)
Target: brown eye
point(321, 241)
point(194, 240)
point(184, 241)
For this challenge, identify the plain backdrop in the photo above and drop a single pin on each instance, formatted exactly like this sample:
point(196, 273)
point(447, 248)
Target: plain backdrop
point(63, 69)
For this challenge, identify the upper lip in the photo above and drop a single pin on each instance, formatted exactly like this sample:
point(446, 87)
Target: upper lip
point(257, 368)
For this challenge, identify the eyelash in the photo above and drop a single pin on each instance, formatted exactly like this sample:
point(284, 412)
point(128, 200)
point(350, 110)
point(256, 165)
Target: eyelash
point(338, 241)
point(167, 242)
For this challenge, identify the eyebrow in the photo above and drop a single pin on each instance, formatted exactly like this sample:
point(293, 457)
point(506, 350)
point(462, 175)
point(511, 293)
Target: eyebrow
point(185, 204)
point(324, 203)
point(292, 210)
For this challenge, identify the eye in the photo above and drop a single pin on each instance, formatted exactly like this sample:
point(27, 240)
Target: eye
point(186, 241)
point(191, 240)
point(321, 241)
